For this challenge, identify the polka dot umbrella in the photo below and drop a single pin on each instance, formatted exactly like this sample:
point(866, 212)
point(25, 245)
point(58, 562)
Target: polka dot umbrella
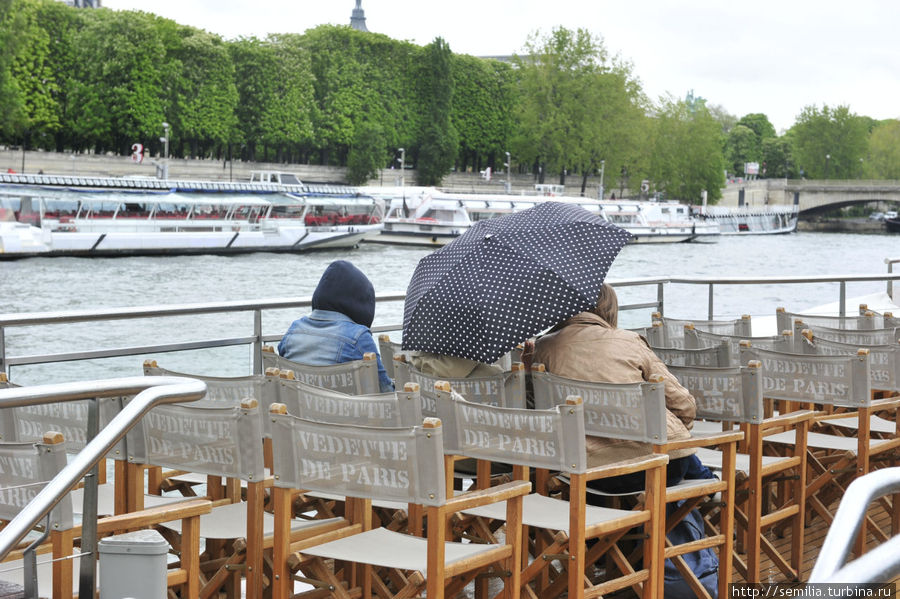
point(508, 278)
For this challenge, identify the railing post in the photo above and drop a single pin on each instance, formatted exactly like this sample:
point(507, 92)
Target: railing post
point(660, 298)
point(890, 292)
point(3, 350)
point(710, 303)
point(843, 303)
point(88, 567)
point(257, 341)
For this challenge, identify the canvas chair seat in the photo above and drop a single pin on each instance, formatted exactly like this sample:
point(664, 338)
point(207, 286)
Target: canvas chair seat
point(712, 459)
point(553, 514)
point(106, 500)
point(379, 503)
point(823, 441)
point(406, 552)
point(877, 424)
point(708, 427)
point(229, 521)
point(684, 485)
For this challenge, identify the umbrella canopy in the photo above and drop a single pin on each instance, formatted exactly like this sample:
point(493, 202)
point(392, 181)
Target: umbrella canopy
point(508, 278)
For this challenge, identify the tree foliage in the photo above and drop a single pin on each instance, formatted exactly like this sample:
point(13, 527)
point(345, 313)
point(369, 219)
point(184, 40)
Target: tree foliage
point(883, 157)
point(577, 106)
point(367, 153)
point(439, 140)
point(101, 80)
point(828, 143)
point(687, 155)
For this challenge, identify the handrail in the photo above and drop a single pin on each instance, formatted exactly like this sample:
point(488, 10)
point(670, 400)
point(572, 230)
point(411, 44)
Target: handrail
point(150, 391)
point(882, 563)
point(257, 338)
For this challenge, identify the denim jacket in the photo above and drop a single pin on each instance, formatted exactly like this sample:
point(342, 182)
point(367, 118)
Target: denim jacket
point(325, 337)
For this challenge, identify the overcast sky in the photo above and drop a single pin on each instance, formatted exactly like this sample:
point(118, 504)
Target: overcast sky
point(764, 56)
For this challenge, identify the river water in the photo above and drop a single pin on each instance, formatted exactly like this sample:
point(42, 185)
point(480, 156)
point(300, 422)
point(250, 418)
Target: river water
point(55, 284)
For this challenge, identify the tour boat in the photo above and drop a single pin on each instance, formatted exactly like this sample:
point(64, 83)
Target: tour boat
point(55, 216)
point(427, 216)
point(752, 220)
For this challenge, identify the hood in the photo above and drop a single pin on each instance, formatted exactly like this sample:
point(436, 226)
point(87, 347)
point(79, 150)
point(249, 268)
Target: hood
point(344, 288)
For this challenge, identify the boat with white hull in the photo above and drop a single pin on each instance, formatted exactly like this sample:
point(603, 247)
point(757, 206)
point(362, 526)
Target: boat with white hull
point(752, 220)
point(426, 216)
point(60, 221)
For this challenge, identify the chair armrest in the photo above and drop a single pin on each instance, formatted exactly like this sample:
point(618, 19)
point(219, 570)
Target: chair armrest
point(653, 460)
point(701, 440)
point(486, 496)
point(789, 419)
point(155, 515)
point(888, 403)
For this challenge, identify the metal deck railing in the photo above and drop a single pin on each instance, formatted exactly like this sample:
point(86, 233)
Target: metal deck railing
point(256, 337)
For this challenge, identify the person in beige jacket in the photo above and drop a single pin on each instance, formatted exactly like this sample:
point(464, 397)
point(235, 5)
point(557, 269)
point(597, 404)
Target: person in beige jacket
point(590, 347)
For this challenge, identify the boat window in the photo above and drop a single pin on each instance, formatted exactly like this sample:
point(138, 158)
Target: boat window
point(289, 179)
point(10, 203)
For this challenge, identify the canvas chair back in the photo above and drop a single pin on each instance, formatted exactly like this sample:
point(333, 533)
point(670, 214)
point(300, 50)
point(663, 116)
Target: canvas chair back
point(28, 423)
point(729, 394)
point(698, 339)
point(358, 377)
point(25, 468)
point(858, 337)
point(835, 380)
point(506, 389)
point(404, 464)
point(552, 439)
point(401, 408)
point(388, 350)
point(712, 356)
point(884, 360)
point(213, 439)
point(226, 389)
point(631, 411)
point(673, 328)
point(865, 320)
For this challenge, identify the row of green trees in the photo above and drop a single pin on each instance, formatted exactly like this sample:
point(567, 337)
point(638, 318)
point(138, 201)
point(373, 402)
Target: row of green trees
point(102, 80)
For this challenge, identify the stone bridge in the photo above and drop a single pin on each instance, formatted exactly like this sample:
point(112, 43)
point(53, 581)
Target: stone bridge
point(813, 196)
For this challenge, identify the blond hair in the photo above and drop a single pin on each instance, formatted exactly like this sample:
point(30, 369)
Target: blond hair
point(607, 306)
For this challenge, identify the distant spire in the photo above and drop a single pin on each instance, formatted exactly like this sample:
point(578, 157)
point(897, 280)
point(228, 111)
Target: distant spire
point(358, 18)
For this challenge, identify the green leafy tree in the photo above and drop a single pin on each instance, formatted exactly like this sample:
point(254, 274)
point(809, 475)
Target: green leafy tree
point(33, 74)
point(828, 143)
point(760, 125)
point(203, 110)
point(776, 153)
point(687, 151)
point(362, 76)
point(883, 158)
point(482, 110)
point(742, 145)
point(125, 73)
point(368, 153)
point(437, 149)
point(577, 105)
point(12, 108)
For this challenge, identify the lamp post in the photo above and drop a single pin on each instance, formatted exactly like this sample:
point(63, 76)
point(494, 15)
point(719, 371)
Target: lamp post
point(508, 166)
point(827, 160)
point(402, 165)
point(602, 171)
point(165, 140)
point(861, 168)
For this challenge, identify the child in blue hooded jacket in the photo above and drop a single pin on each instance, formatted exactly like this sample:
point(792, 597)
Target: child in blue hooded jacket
point(337, 330)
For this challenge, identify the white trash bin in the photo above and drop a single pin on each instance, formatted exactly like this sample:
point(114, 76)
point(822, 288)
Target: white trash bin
point(133, 566)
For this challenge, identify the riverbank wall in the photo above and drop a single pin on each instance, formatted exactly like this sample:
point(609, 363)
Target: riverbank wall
point(100, 165)
point(842, 225)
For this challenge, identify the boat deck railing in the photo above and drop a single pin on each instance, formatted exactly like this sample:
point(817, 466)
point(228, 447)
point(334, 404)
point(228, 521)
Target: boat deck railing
point(256, 337)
